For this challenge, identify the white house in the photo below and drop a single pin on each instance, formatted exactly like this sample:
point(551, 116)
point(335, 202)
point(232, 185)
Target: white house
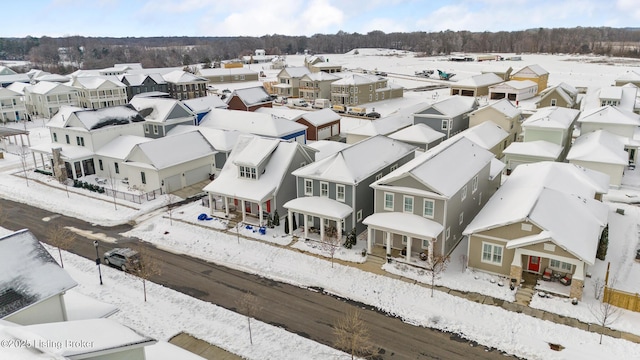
point(46, 98)
point(161, 115)
point(12, 106)
point(617, 121)
point(601, 151)
point(514, 90)
point(255, 123)
point(95, 92)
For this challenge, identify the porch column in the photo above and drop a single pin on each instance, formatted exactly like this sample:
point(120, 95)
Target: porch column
point(369, 238)
point(35, 164)
point(322, 229)
point(408, 255)
point(388, 235)
point(577, 281)
point(290, 220)
point(226, 206)
point(244, 213)
point(260, 213)
point(430, 254)
point(211, 204)
point(339, 228)
point(516, 266)
point(306, 227)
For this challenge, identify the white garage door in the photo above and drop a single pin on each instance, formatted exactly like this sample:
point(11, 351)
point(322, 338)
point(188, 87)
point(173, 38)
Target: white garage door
point(197, 175)
point(324, 133)
point(335, 129)
point(172, 183)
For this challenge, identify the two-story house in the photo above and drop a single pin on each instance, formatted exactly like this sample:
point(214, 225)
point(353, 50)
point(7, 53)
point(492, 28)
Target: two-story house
point(334, 192)
point(144, 83)
point(547, 137)
point(161, 115)
point(249, 99)
point(535, 73)
point(96, 92)
point(356, 89)
point(183, 85)
point(546, 215)
point(46, 98)
point(615, 120)
point(448, 116)
point(289, 81)
point(424, 205)
point(501, 113)
point(319, 63)
point(256, 178)
point(475, 86)
point(561, 95)
point(233, 75)
point(260, 124)
point(316, 85)
point(602, 151)
point(12, 106)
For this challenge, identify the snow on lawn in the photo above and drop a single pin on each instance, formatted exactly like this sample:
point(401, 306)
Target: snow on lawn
point(168, 312)
point(316, 247)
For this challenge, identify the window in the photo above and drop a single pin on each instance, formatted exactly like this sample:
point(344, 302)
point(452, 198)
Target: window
point(100, 164)
point(117, 168)
point(461, 218)
point(393, 167)
point(66, 137)
point(445, 124)
point(549, 247)
point(553, 102)
point(378, 176)
point(308, 187)
point(155, 129)
point(340, 193)
point(491, 253)
point(464, 192)
point(526, 227)
point(359, 215)
point(448, 233)
point(404, 240)
point(248, 172)
point(428, 208)
point(370, 87)
point(324, 189)
point(55, 137)
point(474, 184)
point(388, 201)
point(303, 163)
point(309, 220)
point(408, 204)
point(559, 265)
point(146, 128)
point(143, 177)
point(425, 243)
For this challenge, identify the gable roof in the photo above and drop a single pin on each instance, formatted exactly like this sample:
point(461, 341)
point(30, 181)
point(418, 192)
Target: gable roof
point(120, 147)
point(439, 168)
point(221, 140)
point(205, 103)
point(514, 84)
point(417, 134)
point(169, 151)
point(294, 71)
point(46, 87)
point(599, 146)
point(321, 117)
point(326, 148)
point(139, 79)
point(453, 105)
point(355, 163)
point(251, 123)
point(610, 115)
point(358, 79)
point(28, 273)
point(629, 76)
point(552, 117)
point(486, 134)
point(251, 96)
point(559, 91)
point(282, 112)
point(95, 82)
point(320, 76)
point(535, 68)
point(537, 148)
point(382, 126)
point(180, 77)
point(226, 72)
point(160, 109)
point(481, 80)
point(503, 106)
point(92, 119)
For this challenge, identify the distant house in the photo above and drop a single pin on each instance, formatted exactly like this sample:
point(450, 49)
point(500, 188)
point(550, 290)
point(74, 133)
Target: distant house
point(220, 75)
point(183, 85)
point(514, 90)
point(449, 116)
point(419, 135)
point(96, 92)
point(546, 215)
point(424, 205)
point(533, 73)
point(32, 292)
point(477, 85)
point(249, 99)
point(46, 98)
point(258, 57)
point(501, 113)
point(202, 105)
point(341, 182)
point(256, 179)
point(561, 95)
point(630, 77)
point(144, 83)
point(289, 81)
point(12, 106)
point(488, 135)
point(318, 63)
point(321, 124)
point(383, 126)
point(616, 121)
point(503, 71)
point(602, 151)
point(356, 89)
point(161, 115)
point(316, 85)
point(623, 97)
point(259, 124)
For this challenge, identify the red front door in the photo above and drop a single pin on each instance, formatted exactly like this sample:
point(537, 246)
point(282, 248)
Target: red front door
point(534, 264)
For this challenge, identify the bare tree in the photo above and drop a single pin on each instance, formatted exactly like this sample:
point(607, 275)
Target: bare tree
point(112, 183)
point(23, 152)
point(248, 305)
point(330, 243)
point(61, 238)
point(352, 335)
point(438, 266)
point(605, 313)
point(145, 267)
point(169, 203)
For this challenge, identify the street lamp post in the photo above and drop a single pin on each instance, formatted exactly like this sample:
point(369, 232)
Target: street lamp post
point(95, 243)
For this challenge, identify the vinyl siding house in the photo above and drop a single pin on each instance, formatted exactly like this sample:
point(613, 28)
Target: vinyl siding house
point(202, 105)
point(183, 85)
point(316, 85)
point(289, 81)
point(144, 83)
point(316, 63)
point(12, 106)
point(561, 95)
point(233, 75)
point(113, 154)
point(449, 116)
point(256, 179)
point(95, 92)
point(514, 90)
point(631, 77)
point(425, 205)
point(161, 115)
point(259, 124)
point(340, 183)
point(501, 113)
point(546, 215)
point(221, 140)
point(33, 291)
point(419, 135)
point(475, 86)
point(600, 151)
point(46, 98)
point(617, 121)
point(356, 89)
point(249, 99)
point(383, 126)
point(321, 124)
point(488, 135)
point(533, 73)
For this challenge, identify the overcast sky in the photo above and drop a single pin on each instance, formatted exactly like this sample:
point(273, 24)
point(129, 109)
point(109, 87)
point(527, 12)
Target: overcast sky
point(140, 18)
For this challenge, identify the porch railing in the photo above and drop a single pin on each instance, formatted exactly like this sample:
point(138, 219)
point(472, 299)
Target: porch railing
point(136, 198)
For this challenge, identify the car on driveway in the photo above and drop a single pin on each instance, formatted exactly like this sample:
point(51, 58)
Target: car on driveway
point(123, 258)
point(373, 115)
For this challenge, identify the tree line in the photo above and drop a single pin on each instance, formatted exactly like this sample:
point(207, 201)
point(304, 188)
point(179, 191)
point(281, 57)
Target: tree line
point(67, 54)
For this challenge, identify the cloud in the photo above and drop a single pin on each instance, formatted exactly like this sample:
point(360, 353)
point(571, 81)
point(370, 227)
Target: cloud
point(629, 7)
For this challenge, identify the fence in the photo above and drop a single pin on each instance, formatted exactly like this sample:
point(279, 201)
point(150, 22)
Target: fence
point(136, 198)
point(622, 299)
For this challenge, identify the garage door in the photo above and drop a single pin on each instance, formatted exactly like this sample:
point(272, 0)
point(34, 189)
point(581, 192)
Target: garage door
point(468, 93)
point(335, 129)
point(324, 133)
point(172, 183)
point(197, 175)
point(497, 96)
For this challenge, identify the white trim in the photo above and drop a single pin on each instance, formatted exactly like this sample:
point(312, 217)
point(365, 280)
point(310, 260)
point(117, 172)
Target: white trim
point(324, 183)
point(474, 184)
point(422, 244)
point(344, 192)
point(385, 201)
point(492, 254)
point(308, 181)
point(464, 192)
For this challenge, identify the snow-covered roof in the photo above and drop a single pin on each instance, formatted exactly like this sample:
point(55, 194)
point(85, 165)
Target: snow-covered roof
point(226, 72)
point(256, 151)
point(67, 152)
point(95, 82)
point(59, 120)
point(92, 119)
point(320, 76)
point(120, 147)
point(319, 206)
point(382, 126)
point(6, 92)
point(515, 84)
point(535, 68)
point(481, 80)
point(252, 96)
point(229, 182)
point(173, 150)
point(205, 103)
point(630, 76)
point(599, 146)
point(295, 71)
point(321, 117)
point(159, 109)
point(496, 168)
point(251, 123)
point(28, 273)
point(486, 134)
point(282, 112)
point(560, 91)
point(412, 225)
point(183, 77)
point(18, 87)
point(221, 140)
point(97, 336)
point(611, 92)
point(439, 168)
point(138, 79)
point(45, 87)
point(358, 161)
point(538, 148)
point(503, 106)
point(326, 148)
point(52, 77)
point(610, 115)
point(358, 79)
point(417, 134)
point(453, 105)
point(552, 117)
point(81, 307)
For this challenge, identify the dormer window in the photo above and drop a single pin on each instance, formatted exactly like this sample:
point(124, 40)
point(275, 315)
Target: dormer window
point(248, 172)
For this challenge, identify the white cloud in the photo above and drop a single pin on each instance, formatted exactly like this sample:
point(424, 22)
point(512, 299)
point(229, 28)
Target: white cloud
point(629, 7)
point(319, 17)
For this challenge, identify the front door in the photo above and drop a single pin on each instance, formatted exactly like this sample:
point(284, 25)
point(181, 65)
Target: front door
point(534, 264)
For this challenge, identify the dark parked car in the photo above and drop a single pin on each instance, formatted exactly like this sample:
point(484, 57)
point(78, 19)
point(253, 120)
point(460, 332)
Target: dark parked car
point(373, 115)
point(123, 258)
